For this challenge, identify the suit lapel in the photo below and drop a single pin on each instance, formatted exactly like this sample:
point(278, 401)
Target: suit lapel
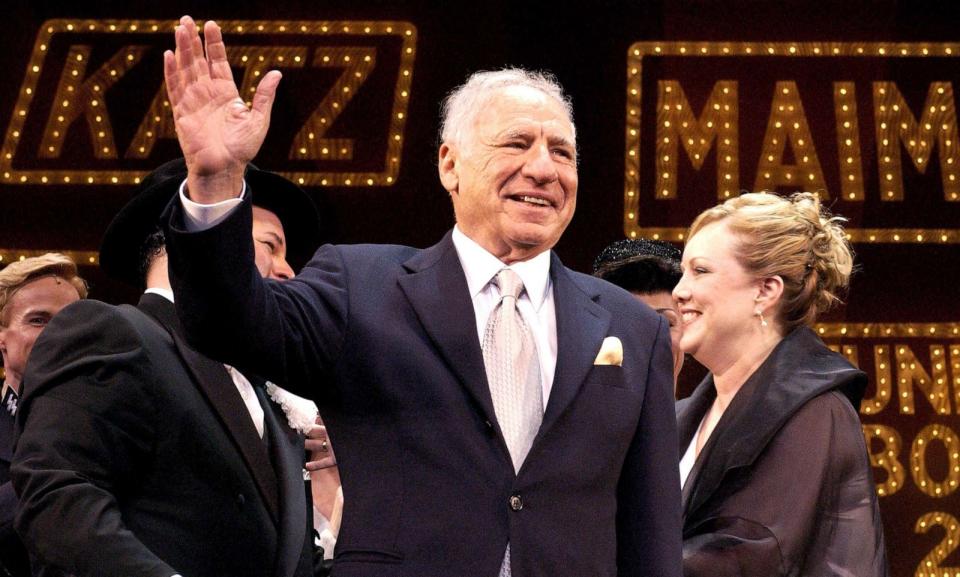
point(216, 385)
point(287, 453)
point(437, 289)
point(582, 325)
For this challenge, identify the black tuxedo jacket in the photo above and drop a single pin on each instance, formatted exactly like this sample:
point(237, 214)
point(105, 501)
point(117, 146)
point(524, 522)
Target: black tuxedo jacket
point(386, 336)
point(137, 456)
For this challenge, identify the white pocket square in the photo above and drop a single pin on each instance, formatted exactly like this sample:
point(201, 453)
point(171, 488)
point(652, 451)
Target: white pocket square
point(611, 352)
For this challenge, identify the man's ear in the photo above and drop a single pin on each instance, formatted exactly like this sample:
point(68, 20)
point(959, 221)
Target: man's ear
point(447, 164)
point(769, 293)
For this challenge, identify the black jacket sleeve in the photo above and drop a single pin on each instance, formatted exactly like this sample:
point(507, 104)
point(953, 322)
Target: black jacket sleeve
point(86, 426)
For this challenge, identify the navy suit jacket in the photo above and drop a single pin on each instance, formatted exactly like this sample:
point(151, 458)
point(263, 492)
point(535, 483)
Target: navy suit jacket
point(136, 456)
point(386, 337)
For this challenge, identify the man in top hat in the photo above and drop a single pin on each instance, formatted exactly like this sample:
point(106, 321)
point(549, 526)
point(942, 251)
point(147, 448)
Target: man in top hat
point(137, 455)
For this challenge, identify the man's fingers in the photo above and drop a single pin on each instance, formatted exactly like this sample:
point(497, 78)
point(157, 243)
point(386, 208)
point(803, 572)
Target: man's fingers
point(325, 463)
point(192, 63)
point(200, 62)
point(185, 56)
point(217, 53)
point(266, 93)
point(187, 22)
point(318, 446)
point(172, 78)
point(314, 445)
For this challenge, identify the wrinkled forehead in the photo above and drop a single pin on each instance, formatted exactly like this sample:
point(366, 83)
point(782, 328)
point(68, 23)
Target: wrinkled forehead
point(517, 105)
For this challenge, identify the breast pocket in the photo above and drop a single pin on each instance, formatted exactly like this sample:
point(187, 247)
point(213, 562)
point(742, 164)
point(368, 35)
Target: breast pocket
point(608, 375)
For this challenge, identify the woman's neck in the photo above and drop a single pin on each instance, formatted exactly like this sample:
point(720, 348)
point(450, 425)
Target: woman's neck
point(729, 378)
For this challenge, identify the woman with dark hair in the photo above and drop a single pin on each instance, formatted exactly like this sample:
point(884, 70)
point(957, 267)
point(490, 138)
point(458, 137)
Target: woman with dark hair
point(649, 269)
point(776, 477)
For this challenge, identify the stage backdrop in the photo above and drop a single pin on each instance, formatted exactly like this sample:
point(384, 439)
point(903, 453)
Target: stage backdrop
point(678, 105)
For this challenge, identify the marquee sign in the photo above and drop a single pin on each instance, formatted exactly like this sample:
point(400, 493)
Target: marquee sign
point(92, 109)
point(872, 128)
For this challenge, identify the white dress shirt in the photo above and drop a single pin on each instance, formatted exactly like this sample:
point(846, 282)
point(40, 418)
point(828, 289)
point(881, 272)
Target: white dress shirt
point(203, 216)
point(689, 458)
point(535, 304)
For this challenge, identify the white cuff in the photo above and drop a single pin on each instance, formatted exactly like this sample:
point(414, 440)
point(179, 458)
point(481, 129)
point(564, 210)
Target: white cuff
point(326, 535)
point(328, 541)
point(200, 217)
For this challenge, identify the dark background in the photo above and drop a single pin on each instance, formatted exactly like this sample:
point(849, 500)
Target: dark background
point(585, 45)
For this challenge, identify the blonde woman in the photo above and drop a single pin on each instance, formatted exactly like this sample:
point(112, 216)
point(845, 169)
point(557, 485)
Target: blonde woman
point(776, 478)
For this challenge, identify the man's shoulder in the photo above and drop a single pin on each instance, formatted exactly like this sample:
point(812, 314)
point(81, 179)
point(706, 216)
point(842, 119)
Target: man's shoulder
point(92, 314)
point(364, 260)
point(612, 297)
point(85, 313)
point(87, 326)
point(373, 252)
point(83, 338)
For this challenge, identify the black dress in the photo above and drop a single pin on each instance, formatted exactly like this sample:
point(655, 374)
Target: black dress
point(783, 487)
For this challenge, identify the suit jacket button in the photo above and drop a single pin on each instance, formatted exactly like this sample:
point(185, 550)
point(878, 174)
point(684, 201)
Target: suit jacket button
point(241, 500)
point(489, 427)
point(516, 503)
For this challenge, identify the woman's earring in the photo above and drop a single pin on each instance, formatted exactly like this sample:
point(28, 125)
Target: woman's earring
point(763, 321)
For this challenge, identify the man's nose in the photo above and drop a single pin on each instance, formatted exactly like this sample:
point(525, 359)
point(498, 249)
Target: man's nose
point(281, 269)
point(540, 165)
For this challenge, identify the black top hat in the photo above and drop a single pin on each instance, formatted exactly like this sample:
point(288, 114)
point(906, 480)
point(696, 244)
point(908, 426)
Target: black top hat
point(120, 248)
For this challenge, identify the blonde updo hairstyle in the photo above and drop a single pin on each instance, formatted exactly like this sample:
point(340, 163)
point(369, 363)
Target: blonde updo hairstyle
point(793, 238)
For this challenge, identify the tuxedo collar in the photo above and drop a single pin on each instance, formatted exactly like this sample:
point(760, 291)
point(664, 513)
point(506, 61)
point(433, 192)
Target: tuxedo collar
point(220, 391)
point(166, 293)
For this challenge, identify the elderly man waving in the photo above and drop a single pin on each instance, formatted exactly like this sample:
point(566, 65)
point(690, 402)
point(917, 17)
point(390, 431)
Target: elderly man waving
point(494, 412)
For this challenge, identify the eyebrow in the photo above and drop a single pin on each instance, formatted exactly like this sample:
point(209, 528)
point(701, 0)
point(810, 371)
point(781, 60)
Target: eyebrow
point(696, 258)
point(521, 132)
point(34, 311)
point(276, 237)
point(561, 140)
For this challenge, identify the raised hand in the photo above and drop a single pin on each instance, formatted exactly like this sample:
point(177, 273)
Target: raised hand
point(218, 133)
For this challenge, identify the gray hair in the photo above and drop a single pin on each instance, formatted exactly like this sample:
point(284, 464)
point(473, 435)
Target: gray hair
point(463, 103)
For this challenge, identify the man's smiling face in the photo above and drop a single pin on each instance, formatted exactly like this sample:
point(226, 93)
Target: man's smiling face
point(513, 175)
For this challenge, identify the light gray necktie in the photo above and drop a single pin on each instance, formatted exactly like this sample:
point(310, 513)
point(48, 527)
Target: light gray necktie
point(513, 373)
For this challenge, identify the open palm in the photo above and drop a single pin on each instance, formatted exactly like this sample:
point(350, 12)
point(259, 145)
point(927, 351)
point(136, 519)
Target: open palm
point(218, 133)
